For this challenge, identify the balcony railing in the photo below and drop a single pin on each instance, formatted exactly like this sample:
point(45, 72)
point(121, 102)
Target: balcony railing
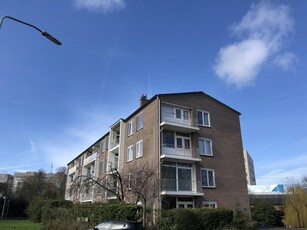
point(169, 151)
point(72, 170)
point(174, 185)
point(90, 158)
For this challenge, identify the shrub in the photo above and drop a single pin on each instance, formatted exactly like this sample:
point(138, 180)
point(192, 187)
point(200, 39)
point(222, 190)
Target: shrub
point(35, 209)
point(265, 214)
point(188, 219)
point(166, 219)
point(195, 219)
point(51, 205)
point(216, 218)
point(62, 215)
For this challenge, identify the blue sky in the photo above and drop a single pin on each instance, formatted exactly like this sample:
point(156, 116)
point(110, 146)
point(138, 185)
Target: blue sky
point(57, 100)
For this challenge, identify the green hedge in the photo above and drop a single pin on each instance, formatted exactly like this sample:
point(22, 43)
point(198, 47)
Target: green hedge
point(196, 219)
point(81, 216)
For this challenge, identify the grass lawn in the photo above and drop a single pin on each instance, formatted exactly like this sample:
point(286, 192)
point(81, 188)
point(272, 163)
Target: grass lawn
point(17, 224)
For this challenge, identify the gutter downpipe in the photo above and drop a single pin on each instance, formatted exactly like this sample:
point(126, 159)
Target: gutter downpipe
point(159, 152)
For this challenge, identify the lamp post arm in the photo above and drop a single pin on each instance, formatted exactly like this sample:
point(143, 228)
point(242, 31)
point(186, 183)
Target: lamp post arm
point(44, 33)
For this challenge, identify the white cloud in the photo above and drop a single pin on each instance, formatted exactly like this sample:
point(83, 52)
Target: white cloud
point(76, 137)
point(285, 60)
point(277, 172)
point(103, 6)
point(239, 63)
point(262, 33)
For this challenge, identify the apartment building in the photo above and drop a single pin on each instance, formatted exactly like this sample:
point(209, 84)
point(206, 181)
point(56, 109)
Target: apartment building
point(190, 141)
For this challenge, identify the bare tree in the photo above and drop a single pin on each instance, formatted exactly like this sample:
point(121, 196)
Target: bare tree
point(138, 184)
point(144, 186)
point(111, 183)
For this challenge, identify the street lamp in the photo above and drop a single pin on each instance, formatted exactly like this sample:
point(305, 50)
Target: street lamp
point(44, 33)
point(4, 198)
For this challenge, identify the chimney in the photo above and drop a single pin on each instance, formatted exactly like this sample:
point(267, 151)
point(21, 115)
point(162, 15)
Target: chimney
point(143, 100)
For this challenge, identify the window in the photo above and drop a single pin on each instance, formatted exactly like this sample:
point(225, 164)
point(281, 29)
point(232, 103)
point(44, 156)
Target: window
point(176, 176)
point(181, 114)
point(182, 142)
point(205, 146)
point(168, 139)
point(130, 128)
point(139, 121)
point(176, 140)
point(72, 178)
point(104, 146)
point(130, 153)
point(203, 118)
point(101, 165)
point(129, 182)
point(139, 149)
point(209, 204)
point(138, 179)
point(207, 178)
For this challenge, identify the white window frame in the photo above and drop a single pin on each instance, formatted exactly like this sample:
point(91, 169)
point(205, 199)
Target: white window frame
point(182, 111)
point(130, 153)
point(138, 124)
point(209, 204)
point(203, 118)
point(130, 128)
point(183, 142)
point(205, 141)
point(139, 149)
point(207, 176)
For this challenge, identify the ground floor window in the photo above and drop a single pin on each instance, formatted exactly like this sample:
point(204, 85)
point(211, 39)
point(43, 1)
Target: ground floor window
point(209, 204)
point(170, 202)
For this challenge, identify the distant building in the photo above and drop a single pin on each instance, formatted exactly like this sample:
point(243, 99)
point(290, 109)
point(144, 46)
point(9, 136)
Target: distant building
point(20, 176)
point(274, 194)
point(249, 168)
point(6, 178)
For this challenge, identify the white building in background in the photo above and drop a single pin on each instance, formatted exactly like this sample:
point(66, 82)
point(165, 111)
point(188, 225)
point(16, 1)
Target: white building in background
point(249, 168)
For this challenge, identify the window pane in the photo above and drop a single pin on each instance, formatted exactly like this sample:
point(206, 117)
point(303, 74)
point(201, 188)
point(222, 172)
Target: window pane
point(168, 139)
point(168, 176)
point(179, 142)
point(140, 121)
point(201, 146)
point(186, 143)
point(204, 177)
point(208, 147)
point(184, 180)
point(185, 115)
point(210, 176)
point(200, 117)
point(206, 119)
point(178, 113)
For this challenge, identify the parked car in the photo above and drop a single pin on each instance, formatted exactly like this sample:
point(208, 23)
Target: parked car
point(119, 225)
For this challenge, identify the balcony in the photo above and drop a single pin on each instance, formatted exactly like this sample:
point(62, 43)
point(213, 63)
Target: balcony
point(170, 152)
point(88, 197)
point(90, 158)
point(72, 170)
point(178, 127)
point(181, 187)
point(177, 119)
